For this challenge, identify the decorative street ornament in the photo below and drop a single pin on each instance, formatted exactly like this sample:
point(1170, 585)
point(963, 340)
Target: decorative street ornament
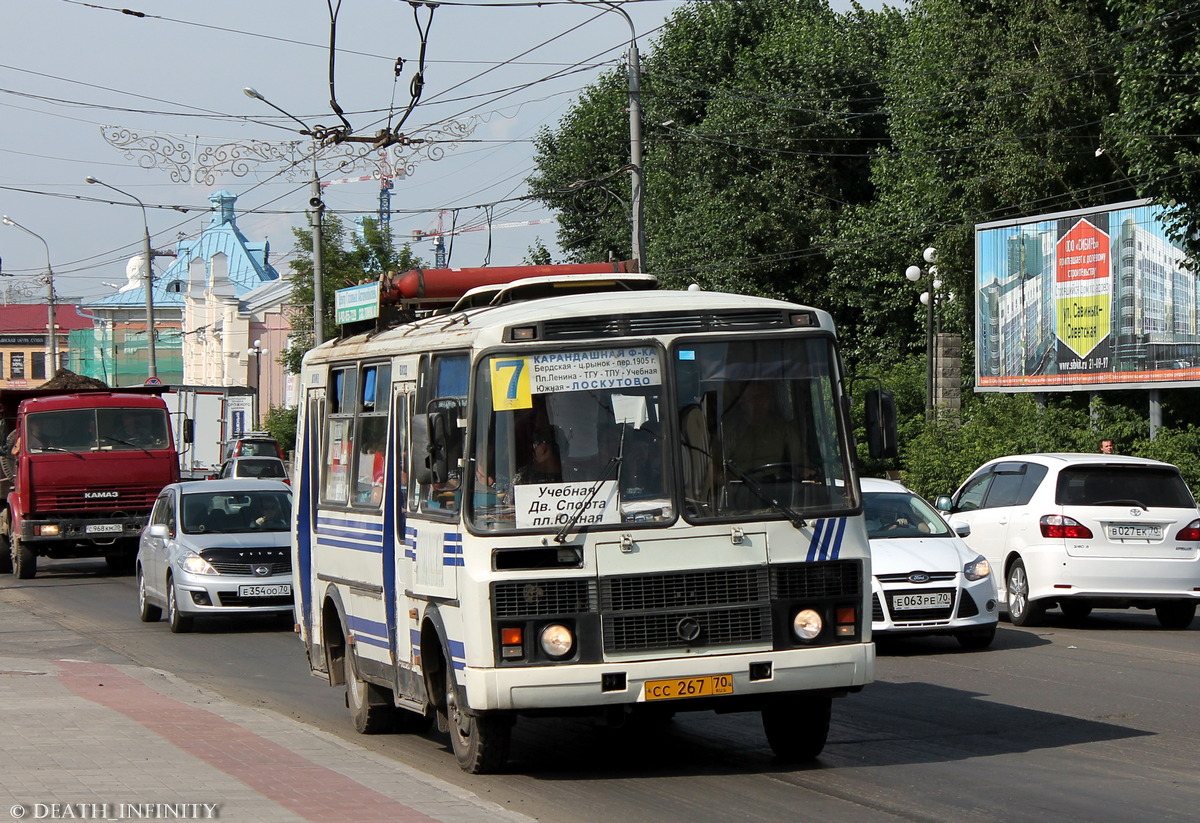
point(188, 158)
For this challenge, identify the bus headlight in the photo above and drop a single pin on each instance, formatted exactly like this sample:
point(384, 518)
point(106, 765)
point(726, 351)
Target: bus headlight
point(557, 641)
point(807, 624)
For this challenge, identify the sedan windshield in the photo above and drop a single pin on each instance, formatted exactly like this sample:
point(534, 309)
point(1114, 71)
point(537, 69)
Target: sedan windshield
point(226, 512)
point(892, 515)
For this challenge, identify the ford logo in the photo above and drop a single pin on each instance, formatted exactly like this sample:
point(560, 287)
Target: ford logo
point(918, 577)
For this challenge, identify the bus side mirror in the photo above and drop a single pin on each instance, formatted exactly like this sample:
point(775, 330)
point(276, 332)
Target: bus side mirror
point(881, 424)
point(429, 437)
point(189, 430)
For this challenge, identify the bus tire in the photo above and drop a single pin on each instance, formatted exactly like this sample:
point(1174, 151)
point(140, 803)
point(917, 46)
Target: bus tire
point(480, 741)
point(371, 706)
point(24, 560)
point(6, 564)
point(797, 726)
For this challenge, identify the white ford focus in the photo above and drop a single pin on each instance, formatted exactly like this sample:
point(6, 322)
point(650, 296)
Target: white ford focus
point(926, 580)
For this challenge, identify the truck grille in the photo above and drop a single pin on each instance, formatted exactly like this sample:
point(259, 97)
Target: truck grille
point(72, 499)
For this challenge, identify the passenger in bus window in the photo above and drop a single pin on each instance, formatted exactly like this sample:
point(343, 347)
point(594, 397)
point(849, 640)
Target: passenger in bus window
point(543, 465)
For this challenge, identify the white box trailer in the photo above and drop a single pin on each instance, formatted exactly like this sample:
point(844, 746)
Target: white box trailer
point(218, 413)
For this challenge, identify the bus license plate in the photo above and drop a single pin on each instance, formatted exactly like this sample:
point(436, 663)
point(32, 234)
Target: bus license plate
point(104, 528)
point(930, 600)
point(274, 590)
point(677, 687)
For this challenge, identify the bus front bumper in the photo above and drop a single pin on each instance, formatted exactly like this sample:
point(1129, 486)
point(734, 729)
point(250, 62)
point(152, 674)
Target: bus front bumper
point(754, 676)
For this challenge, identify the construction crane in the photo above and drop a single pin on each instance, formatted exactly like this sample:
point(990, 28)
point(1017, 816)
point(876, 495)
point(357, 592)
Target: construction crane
point(438, 234)
point(386, 180)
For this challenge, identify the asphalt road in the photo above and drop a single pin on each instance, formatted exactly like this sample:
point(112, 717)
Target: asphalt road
point(1089, 722)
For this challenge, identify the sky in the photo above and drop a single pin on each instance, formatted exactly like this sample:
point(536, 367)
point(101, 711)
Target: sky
point(152, 103)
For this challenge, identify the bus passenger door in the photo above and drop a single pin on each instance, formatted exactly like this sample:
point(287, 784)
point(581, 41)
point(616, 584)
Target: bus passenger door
point(304, 504)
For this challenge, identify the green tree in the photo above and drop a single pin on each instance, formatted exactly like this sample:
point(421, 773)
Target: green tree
point(280, 423)
point(363, 257)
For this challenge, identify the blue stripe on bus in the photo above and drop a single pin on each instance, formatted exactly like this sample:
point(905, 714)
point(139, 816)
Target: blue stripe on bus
point(458, 654)
point(362, 624)
point(815, 542)
point(452, 549)
point(370, 641)
point(366, 525)
point(376, 548)
point(410, 542)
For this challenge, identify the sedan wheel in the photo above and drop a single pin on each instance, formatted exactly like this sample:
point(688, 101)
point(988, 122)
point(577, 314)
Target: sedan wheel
point(1021, 610)
point(147, 611)
point(1178, 614)
point(180, 624)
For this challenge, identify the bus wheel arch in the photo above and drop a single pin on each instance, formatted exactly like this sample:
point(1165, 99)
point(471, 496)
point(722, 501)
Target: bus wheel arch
point(333, 636)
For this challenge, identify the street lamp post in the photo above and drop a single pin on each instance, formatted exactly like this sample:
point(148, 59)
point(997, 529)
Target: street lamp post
point(637, 221)
point(929, 297)
point(148, 254)
point(51, 329)
point(257, 352)
point(317, 218)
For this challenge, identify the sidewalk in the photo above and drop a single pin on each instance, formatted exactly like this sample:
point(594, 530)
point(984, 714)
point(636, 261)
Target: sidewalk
point(86, 735)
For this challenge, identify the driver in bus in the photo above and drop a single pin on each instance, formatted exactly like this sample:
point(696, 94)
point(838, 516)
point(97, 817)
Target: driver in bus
point(756, 434)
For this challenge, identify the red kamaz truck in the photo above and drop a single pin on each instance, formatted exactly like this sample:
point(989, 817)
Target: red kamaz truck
point(81, 471)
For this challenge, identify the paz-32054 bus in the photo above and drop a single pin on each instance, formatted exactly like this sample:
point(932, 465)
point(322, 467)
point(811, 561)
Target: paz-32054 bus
point(583, 494)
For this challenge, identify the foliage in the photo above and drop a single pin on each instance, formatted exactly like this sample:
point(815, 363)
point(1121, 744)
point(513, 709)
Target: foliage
point(362, 258)
point(538, 254)
point(280, 423)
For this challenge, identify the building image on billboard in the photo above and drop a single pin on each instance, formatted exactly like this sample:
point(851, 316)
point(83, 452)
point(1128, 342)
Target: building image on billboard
point(1087, 299)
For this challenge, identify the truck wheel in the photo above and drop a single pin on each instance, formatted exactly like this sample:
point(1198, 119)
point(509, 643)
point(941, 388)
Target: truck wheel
point(147, 611)
point(24, 560)
point(797, 726)
point(180, 624)
point(371, 706)
point(5, 555)
point(480, 741)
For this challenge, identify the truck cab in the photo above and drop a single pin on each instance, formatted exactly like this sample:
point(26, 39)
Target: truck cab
point(82, 471)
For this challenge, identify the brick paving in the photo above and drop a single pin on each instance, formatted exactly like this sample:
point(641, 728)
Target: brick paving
point(105, 739)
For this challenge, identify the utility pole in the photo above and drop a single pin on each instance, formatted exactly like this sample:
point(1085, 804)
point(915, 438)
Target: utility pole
point(317, 218)
point(51, 325)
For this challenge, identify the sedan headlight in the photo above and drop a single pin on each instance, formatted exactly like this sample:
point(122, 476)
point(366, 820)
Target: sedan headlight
point(977, 569)
point(195, 564)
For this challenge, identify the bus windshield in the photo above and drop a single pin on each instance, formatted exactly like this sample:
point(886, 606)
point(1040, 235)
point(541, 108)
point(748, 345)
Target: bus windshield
point(585, 439)
point(759, 432)
point(570, 435)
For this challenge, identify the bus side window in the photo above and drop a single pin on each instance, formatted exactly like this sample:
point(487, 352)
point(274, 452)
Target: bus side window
point(437, 433)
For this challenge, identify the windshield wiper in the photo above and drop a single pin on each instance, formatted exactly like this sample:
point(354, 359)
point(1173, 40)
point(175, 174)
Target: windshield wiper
point(126, 443)
point(761, 494)
point(561, 537)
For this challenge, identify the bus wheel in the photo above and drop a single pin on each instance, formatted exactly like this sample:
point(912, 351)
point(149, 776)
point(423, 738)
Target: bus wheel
point(23, 559)
point(6, 565)
point(797, 726)
point(480, 741)
point(370, 705)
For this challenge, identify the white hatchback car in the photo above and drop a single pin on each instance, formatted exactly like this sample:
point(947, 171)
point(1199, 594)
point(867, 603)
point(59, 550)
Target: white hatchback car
point(926, 580)
point(216, 547)
point(1084, 531)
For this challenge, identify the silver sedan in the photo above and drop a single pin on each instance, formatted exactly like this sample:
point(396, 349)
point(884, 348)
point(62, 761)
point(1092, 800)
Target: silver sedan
point(216, 547)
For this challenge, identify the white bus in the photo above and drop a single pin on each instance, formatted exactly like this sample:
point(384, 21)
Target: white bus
point(574, 494)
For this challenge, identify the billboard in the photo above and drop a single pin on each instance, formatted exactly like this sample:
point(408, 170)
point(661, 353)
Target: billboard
point(1089, 299)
